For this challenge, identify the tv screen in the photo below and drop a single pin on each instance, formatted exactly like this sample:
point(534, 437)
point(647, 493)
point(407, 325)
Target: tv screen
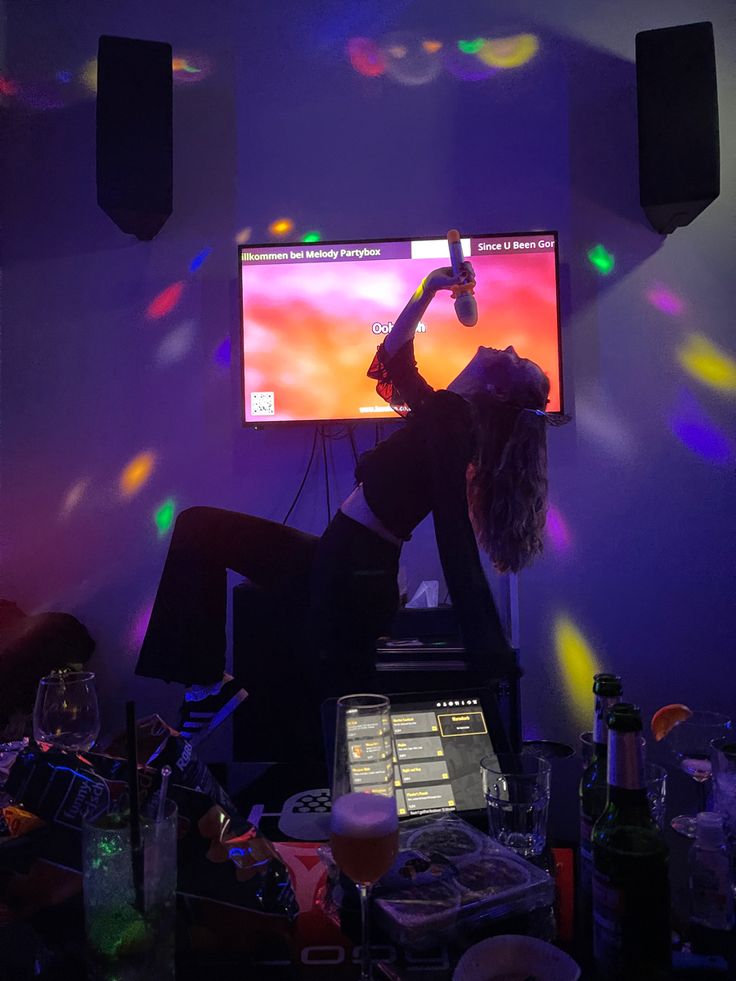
point(314, 313)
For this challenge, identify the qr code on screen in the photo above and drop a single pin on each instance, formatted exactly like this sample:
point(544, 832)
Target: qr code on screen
point(261, 404)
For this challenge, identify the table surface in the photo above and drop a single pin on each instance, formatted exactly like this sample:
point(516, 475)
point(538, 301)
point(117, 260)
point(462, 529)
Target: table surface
point(52, 943)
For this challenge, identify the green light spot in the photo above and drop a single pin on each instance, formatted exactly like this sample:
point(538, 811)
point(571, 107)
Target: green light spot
point(311, 237)
point(164, 517)
point(601, 259)
point(471, 47)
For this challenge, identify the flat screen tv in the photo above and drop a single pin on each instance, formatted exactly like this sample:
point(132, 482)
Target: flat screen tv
point(314, 313)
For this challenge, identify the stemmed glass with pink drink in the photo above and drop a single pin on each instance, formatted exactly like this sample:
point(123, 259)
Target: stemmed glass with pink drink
point(364, 825)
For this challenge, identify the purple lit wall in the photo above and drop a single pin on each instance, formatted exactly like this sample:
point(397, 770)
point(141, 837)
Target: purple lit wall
point(365, 120)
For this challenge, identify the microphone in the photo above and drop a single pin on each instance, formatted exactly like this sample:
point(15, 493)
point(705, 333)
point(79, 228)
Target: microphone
point(465, 306)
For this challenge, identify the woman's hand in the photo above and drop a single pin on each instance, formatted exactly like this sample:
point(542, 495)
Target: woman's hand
point(445, 279)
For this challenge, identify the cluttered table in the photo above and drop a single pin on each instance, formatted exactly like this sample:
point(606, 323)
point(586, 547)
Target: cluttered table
point(225, 892)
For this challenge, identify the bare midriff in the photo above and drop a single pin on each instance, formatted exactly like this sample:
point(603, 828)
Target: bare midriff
point(356, 507)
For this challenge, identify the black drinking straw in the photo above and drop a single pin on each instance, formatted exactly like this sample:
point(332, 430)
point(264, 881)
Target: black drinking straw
point(136, 850)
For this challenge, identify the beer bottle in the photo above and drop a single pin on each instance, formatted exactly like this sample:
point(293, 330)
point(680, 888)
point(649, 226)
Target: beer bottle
point(607, 689)
point(631, 898)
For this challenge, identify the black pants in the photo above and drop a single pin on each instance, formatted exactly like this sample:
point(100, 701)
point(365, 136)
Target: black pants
point(343, 585)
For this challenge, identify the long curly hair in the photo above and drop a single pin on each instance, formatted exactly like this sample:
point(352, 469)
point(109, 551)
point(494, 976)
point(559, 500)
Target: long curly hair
point(507, 479)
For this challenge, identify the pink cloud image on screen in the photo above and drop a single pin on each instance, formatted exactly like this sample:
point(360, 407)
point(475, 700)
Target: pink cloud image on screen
point(313, 315)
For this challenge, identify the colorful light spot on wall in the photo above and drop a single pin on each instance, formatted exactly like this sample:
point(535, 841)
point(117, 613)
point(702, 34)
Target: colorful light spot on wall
point(64, 77)
point(88, 75)
point(312, 237)
point(432, 47)
point(699, 433)
point(601, 423)
point(281, 227)
point(199, 259)
point(136, 473)
point(187, 67)
point(73, 496)
point(509, 52)
point(665, 300)
point(466, 67)
point(177, 343)
point(243, 235)
point(164, 516)
point(406, 59)
point(165, 302)
point(365, 57)
point(223, 353)
point(8, 87)
point(601, 259)
point(577, 663)
point(556, 530)
point(139, 625)
point(471, 47)
point(708, 364)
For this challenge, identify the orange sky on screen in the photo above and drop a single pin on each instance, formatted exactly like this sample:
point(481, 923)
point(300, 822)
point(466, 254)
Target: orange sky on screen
point(309, 337)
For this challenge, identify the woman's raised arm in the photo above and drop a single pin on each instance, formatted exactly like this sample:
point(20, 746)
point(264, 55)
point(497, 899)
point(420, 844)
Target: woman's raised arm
point(408, 320)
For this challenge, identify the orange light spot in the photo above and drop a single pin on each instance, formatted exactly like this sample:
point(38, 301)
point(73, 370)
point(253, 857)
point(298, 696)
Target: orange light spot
point(432, 47)
point(282, 226)
point(136, 473)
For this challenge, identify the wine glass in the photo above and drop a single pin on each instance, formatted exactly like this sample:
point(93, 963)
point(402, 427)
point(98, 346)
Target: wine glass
point(364, 824)
point(690, 744)
point(66, 714)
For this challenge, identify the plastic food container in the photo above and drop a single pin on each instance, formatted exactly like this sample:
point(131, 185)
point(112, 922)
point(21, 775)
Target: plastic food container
point(449, 875)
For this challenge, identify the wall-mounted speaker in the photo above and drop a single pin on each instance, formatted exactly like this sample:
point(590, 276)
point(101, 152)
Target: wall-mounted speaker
point(679, 154)
point(134, 133)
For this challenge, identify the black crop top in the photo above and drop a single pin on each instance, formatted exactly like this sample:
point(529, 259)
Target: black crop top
point(421, 469)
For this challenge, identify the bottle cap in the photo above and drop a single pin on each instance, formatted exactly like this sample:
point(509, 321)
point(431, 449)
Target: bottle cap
point(625, 717)
point(608, 685)
point(709, 830)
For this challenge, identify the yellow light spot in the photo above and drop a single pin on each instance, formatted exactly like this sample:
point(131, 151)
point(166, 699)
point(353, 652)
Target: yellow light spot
point(136, 473)
point(88, 75)
point(509, 52)
point(282, 226)
point(243, 235)
point(432, 47)
point(578, 663)
point(708, 363)
point(178, 64)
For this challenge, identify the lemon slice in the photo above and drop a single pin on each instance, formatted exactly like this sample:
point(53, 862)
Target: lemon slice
point(665, 719)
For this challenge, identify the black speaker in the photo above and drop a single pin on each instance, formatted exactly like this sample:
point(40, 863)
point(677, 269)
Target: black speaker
point(134, 133)
point(679, 159)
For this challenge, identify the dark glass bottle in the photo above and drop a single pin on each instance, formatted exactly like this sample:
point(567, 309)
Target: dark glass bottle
point(631, 897)
point(608, 690)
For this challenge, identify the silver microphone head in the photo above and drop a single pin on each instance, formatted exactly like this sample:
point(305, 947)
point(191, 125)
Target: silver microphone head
point(466, 309)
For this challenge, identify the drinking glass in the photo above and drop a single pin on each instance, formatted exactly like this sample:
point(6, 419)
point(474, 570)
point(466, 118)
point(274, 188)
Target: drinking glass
point(130, 924)
point(689, 742)
point(364, 824)
point(66, 714)
point(517, 791)
point(724, 779)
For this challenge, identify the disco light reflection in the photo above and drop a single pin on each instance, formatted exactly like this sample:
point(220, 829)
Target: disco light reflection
point(136, 473)
point(165, 302)
point(708, 364)
point(699, 434)
point(556, 530)
point(164, 516)
point(577, 663)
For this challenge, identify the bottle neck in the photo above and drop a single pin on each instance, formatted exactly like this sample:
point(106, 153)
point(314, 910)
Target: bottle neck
point(603, 705)
point(626, 761)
